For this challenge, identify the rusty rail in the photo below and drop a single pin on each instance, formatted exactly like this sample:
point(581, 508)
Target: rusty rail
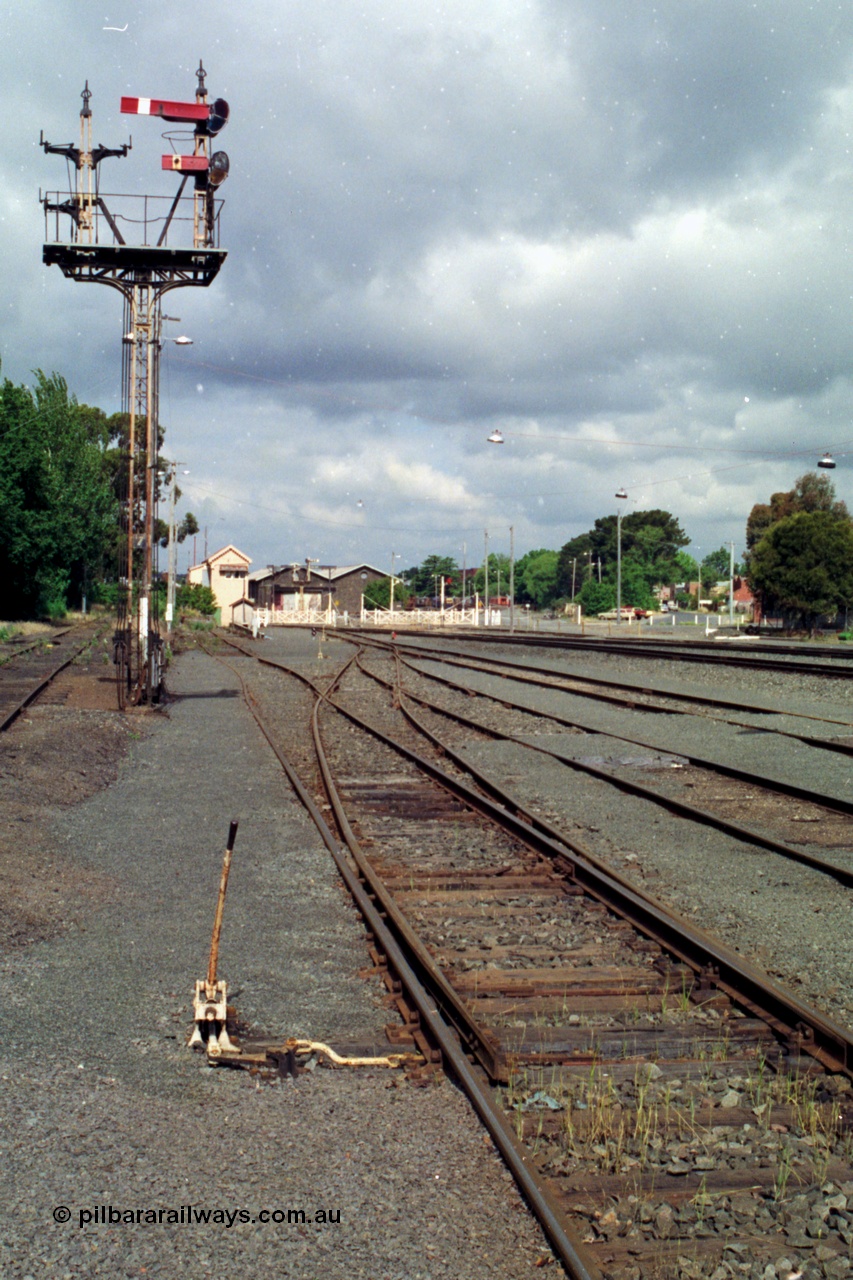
point(836, 803)
point(708, 969)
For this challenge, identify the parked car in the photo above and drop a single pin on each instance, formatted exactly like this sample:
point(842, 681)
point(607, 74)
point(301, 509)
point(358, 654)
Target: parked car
point(630, 613)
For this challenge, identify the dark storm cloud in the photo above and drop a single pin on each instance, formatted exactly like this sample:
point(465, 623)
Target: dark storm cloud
point(618, 231)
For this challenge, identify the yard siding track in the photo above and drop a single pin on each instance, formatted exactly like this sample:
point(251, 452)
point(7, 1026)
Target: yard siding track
point(27, 672)
point(634, 695)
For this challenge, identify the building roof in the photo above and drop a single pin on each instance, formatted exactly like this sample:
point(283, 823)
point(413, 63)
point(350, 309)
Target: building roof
point(324, 572)
point(218, 555)
point(351, 568)
point(223, 551)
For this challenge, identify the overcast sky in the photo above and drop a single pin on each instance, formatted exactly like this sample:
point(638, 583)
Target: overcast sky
point(618, 232)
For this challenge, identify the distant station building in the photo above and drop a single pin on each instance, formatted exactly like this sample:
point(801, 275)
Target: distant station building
point(311, 588)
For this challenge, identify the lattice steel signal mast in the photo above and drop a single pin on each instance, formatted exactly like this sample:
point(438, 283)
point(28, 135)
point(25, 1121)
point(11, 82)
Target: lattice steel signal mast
point(97, 252)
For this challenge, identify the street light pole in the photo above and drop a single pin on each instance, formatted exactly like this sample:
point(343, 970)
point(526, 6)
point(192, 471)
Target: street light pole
point(309, 560)
point(511, 578)
point(486, 584)
point(621, 495)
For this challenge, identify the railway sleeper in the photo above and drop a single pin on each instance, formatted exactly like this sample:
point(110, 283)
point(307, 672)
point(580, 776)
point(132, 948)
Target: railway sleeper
point(672, 1119)
point(650, 1043)
point(488, 1007)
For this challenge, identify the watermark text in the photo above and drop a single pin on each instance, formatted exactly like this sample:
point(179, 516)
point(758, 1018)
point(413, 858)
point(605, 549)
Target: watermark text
point(101, 1215)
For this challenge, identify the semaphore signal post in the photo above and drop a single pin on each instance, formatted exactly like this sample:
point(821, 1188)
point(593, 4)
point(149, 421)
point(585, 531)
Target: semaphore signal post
point(97, 251)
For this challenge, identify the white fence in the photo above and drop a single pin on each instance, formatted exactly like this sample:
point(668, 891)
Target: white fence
point(422, 617)
point(297, 617)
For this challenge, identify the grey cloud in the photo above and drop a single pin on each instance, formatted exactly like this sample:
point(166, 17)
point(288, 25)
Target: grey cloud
point(591, 224)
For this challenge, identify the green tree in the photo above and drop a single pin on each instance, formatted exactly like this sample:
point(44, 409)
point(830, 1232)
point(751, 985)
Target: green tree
point(536, 578)
point(811, 492)
point(647, 536)
point(192, 595)
point(636, 591)
point(804, 564)
point(58, 508)
point(573, 565)
point(498, 575)
point(597, 597)
point(652, 543)
point(654, 552)
point(422, 578)
point(187, 527)
point(716, 566)
point(377, 594)
point(183, 529)
point(688, 568)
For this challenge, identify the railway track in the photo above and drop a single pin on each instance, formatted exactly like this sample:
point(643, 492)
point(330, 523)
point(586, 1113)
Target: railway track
point(691, 811)
point(826, 816)
point(824, 661)
point(754, 718)
point(634, 695)
point(26, 671)
point(677, 1110)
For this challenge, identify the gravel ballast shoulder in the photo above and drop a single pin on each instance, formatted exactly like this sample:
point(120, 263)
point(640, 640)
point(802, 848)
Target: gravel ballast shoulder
point(103, 1107)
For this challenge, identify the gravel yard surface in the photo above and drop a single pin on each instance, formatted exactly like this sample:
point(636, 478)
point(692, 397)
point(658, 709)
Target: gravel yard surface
point(791, 920)
point(111, 839)
point(805, 694)
point(105, 1113)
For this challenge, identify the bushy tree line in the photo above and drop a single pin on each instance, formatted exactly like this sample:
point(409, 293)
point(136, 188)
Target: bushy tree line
point(584, 569)
point(61, 468)
point(652, 543)
point(58, 507)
